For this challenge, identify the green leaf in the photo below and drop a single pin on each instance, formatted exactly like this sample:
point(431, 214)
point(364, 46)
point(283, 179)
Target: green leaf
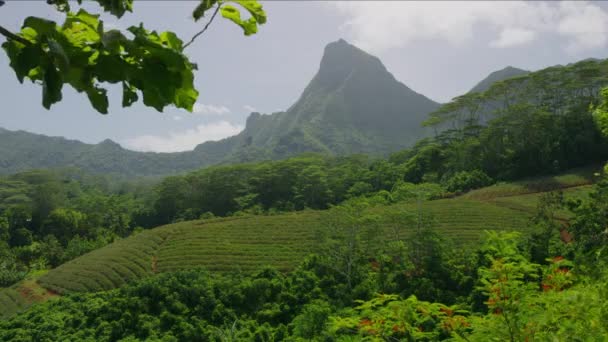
point(42, 27)
point(129, 95)
point(82, 29)
point(92, 20)
point(112, 40)
point(110, 68)
point(255, 9)
point(116, 7)
point(99, 99)
point(23, 58)
point(60, 5)
point(51, 87)
point(60, 57)
point(202, 7)
point(186, 95)
point(233, 14)
point(170, 40)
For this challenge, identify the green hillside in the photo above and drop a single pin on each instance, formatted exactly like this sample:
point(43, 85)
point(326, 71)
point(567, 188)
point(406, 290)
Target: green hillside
point(246, 243)
point(249, 243)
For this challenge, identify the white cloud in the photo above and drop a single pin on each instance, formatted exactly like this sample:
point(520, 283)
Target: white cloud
point(249, 108)
point(512, 37)
point(184, 140)
point(200, 108)
point(177, 118)
point(378, 26)
point(585, 24)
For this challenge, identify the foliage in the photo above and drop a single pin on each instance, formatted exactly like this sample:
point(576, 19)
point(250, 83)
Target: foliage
point(464, 181)
point(60, 215)
point(600, 113)
point(81, 53)
point(388, 317)
point(271, 306)
point(590, 224)
point(536, 123)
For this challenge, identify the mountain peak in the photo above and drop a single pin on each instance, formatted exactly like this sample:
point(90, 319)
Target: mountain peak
point(341, 59)
point(342, 50)
point(110, 144)
point(498, 75)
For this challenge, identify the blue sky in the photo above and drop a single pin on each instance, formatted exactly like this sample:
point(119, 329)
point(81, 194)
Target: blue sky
point(439, 49)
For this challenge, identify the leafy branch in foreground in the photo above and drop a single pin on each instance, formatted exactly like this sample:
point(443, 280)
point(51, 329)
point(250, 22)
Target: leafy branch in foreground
point(82, 54)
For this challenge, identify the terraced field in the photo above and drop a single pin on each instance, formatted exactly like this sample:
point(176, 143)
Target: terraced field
point(247, 243)
point(575, 178)
point(10, 301)
point(108, 267)
point(529, 202)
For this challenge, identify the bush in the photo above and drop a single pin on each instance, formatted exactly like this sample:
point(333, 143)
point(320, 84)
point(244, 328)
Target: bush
point(404, 192)
point(10, 272)
point(467, 180)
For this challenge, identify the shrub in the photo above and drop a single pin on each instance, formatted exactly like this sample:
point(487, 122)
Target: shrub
point(467, 180)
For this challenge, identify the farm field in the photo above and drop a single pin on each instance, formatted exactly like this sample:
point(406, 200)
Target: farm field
point(247, 243)
point(529, 202)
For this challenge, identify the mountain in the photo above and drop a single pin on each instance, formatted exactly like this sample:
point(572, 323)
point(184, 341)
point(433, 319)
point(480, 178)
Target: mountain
point(21, 150)
point(496, 76)
point(352, 105)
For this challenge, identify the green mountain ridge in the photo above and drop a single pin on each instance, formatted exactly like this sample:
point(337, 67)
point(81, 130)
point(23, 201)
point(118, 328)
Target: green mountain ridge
point(352, 105)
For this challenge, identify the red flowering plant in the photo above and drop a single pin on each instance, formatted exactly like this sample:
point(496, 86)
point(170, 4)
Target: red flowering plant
point(558, 276)
point(389, 317)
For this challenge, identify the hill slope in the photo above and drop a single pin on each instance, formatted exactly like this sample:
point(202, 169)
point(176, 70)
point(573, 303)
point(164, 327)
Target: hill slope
point(20, 151)
point(247, 243)
point(281, 241)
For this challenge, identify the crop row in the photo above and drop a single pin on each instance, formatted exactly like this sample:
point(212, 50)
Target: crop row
point(10, 302)
point(252, 242)
point(108, 267)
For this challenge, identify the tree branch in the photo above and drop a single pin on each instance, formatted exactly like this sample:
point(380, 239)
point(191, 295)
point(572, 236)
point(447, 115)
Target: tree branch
point(10, 35)
point(217, 9)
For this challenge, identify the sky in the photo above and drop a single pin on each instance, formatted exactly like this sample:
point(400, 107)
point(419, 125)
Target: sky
point(439, 49)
